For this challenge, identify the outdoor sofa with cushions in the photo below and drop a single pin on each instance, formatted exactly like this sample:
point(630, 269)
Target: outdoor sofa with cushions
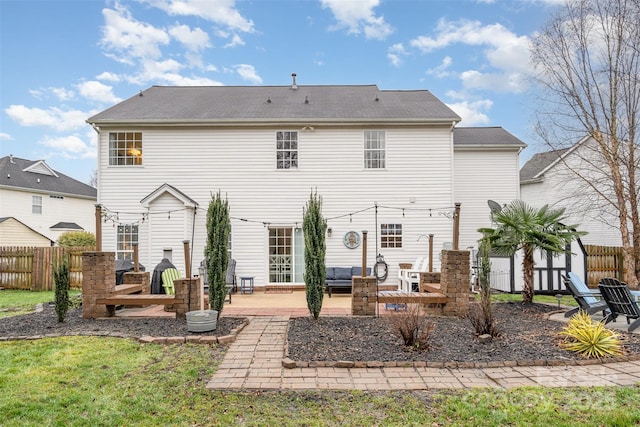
point(340, 277)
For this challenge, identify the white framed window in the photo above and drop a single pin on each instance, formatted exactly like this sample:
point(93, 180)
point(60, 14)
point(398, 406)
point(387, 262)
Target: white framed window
point(374, 149)
point(286, 150)
point(36, 204)
point(391, 235)
point(125, 148)
point(127, 236)
point(280, 255)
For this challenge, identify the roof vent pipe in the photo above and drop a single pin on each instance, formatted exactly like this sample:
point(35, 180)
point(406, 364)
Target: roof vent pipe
point(294, 85)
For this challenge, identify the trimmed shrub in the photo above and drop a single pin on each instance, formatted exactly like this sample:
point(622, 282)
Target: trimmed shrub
point(76, 238)
point(314, 227)
point(61, 281)
point(218, 229)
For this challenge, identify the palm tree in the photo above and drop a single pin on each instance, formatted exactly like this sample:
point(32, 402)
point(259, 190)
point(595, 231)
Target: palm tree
point(520, 226)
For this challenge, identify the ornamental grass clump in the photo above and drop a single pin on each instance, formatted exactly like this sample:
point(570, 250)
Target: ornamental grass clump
point(589, 338)
point(412, 326)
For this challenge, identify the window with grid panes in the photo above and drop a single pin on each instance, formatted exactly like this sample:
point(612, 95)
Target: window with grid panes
point(391, 235)
point(125, 148)
point(127, 235)
point(374, 149)
point(36, 204)
point(286, 150)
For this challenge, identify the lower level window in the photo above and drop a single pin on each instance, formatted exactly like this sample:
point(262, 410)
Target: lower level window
point(126, 238)
point(391, 235)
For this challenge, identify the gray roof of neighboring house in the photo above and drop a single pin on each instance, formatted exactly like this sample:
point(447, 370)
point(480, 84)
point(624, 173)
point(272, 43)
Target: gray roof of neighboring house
point(485, 137)
point(15, 173)
point(276, 104)
point(538, 163)
point(66, 226)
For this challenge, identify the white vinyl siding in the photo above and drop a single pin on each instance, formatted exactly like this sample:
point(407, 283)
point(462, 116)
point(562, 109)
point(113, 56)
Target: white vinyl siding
point(18, 203)
point(417, 177)
point(482, 175)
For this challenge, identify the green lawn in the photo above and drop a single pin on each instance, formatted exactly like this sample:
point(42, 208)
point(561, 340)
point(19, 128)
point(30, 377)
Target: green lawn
point(92, 381)
point(15, 302)
point(97, 381)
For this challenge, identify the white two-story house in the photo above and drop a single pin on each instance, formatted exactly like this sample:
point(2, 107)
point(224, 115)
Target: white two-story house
point(386, 161)
point(43, 203)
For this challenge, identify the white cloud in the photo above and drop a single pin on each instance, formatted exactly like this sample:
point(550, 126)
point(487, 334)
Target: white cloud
point(248, 72)
point(96, 91)
point(236, 40)
point(54, 118)
point(108, 76)
point(358, 17)
point(70, 146)
point(442, 70)
point(222, 12)
point(506, 53)
point(60, 93)
point(395, 54)
point(126, 38)
point(5, 136)
point(195, 40)
point(472, 112)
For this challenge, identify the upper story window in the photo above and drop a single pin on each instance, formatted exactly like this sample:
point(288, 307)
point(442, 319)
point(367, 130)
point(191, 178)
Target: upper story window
point(36, 204)
point(127, 236)
point(287, 150)
point(374, 149)
point(391, 235)
point(125, 148)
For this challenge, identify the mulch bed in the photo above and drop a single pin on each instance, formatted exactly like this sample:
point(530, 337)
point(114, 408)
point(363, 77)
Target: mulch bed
point(46, 322)
point(526, 335)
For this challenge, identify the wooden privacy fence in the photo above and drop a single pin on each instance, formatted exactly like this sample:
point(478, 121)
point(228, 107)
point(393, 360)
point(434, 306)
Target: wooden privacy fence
point(603, 261)
point(31, 268)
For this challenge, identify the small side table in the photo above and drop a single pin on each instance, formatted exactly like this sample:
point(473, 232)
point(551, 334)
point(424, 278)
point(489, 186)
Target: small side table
point(246, 284)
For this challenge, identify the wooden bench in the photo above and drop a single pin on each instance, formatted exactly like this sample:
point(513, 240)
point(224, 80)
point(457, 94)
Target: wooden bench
point(396, 297)
point(136, 299)
point(128, 289)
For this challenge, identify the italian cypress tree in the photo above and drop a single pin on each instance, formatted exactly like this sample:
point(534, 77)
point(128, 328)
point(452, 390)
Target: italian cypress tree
point(218, 229)
point(314, 227)
point(61, 281)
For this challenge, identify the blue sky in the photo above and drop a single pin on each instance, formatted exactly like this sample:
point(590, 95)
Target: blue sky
point(63, 61)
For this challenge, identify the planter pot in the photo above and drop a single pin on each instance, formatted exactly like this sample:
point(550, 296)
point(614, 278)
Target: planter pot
point(202, 320)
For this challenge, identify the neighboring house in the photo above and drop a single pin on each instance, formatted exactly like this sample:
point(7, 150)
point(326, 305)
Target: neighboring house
point(43, 199)
point(390, 162)
point(551, 178)
point(15, 233)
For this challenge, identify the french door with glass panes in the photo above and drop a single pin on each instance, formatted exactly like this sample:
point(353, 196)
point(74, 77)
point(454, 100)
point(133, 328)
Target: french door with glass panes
point(286, 255)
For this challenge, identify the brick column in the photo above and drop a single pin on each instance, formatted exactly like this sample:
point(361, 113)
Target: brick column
point(138, 278)
point(98, 281)
point(363, 296)
point(455, 282)
point(188, 294)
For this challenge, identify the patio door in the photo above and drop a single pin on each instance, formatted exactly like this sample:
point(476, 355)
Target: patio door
point(286, 255)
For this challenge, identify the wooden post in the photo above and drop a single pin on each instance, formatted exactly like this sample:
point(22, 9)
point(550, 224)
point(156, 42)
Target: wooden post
point(98, 228)
point(364, 253)
point(430, 253)
point(456, 227)
point(187, 260)
point(135, 257)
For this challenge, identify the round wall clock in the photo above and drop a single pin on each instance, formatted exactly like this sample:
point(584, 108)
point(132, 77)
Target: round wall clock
point(351, 239)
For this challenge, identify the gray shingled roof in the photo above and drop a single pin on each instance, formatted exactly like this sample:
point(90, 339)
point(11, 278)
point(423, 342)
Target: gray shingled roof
point(223, 104)
point(12, 174)
point(66, 226)
point(485, 136)
point(538, 163)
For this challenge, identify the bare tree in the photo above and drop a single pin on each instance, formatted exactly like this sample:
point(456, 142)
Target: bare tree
point(93, 179)
point(587, 65)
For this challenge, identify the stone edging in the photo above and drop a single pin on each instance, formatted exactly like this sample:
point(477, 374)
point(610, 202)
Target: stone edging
point(147, 339)
point(288, 363)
